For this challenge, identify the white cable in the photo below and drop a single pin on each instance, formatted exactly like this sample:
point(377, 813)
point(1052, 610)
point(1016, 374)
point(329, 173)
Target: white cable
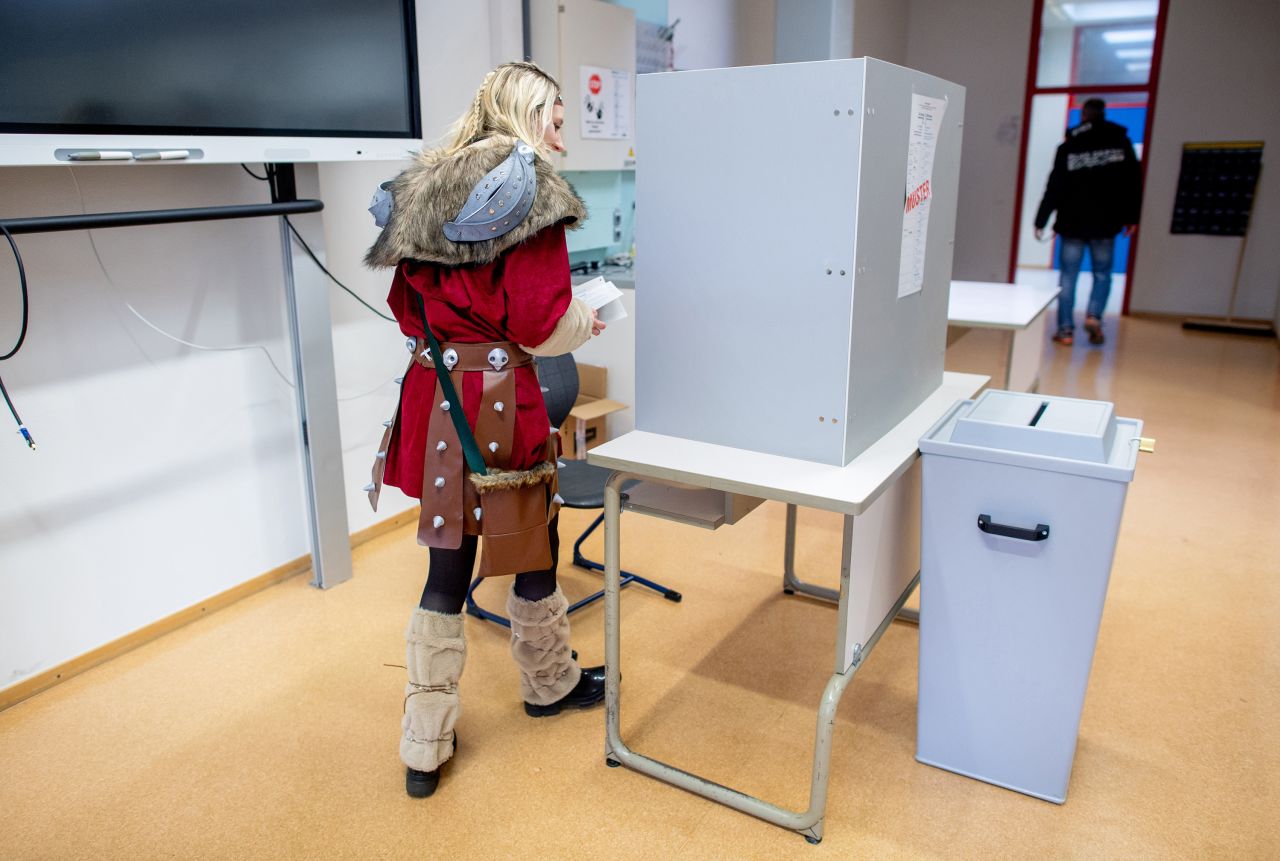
point(119, 295)
point(231, 348)
point(365, 394)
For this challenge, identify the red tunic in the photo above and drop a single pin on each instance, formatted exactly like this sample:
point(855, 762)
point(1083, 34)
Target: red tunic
point(518, 297)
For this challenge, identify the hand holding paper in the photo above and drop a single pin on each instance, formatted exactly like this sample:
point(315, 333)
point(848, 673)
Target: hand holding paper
point(603, 297)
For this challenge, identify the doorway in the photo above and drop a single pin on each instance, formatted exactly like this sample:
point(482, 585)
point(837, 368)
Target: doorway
point(1106, 49)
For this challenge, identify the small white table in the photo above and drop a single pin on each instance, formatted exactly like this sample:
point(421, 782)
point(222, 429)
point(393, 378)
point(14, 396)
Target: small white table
point(879, 495)
point(1016, 308)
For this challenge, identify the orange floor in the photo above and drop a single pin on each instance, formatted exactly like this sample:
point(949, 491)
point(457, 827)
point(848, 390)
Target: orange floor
point(269, 729)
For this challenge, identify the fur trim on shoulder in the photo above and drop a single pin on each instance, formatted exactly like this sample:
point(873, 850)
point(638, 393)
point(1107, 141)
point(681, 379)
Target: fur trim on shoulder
point(509, 479)
point(433, 189)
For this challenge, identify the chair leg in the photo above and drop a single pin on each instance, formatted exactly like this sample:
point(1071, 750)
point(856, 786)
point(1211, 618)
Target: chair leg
point(474, 609)
point(627, 577)
point(578, 559)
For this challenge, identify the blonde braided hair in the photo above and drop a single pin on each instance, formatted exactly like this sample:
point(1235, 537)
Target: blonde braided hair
point(514, 99)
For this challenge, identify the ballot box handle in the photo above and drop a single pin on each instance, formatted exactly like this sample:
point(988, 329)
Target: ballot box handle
point(987, 525)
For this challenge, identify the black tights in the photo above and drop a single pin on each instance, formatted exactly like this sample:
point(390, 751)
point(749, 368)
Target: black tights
point(449, 575)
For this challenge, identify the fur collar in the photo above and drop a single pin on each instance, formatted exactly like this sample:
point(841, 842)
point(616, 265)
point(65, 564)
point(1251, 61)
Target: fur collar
point(432, 190)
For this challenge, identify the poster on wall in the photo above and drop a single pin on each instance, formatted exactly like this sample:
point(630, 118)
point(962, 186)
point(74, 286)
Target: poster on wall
point(922, 143)
point(606, 103)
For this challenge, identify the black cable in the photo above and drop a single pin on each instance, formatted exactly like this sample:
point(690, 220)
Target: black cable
point(316, 260)
point(22, 282)
point(270, 173)
point(22, 334)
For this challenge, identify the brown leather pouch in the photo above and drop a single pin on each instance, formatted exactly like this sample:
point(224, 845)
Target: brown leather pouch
point(515, 511)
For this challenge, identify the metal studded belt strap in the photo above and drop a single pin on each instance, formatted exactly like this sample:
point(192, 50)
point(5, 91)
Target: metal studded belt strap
point(496, 356)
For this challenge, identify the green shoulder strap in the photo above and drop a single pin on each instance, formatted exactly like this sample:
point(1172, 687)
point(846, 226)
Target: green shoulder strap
point(470, 450)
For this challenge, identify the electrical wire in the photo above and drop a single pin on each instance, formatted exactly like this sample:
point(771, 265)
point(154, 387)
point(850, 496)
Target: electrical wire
point(93, 244)
point(22, 285)
point(234, 347)
point(22, 336)
point(307, 248)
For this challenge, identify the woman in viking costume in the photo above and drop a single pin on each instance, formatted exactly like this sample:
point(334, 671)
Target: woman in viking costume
point(476, 234)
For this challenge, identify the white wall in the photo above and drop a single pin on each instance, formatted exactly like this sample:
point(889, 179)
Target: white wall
point(984, 47)
point(880, 30)
point(1218, 78)
point(754, 32)
point(713, 34)
point(164, 474)
point(813, 30)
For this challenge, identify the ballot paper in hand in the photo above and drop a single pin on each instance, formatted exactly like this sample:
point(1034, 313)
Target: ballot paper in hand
point(603, 297)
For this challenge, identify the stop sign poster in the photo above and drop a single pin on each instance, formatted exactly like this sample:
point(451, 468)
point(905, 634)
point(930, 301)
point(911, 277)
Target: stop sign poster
point(605, 103)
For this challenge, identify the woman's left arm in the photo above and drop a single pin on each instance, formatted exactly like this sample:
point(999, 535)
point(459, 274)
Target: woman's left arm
point(540, 304)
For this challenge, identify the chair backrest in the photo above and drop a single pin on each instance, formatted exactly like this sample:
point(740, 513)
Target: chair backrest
point(559, 378)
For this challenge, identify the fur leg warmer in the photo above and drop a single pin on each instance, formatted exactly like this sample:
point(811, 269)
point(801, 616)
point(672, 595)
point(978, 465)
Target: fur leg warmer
point(540, 646)
point(435, 652)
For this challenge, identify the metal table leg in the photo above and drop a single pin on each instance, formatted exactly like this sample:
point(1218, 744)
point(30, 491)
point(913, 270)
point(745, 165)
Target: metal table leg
point(791, 584)
point(311, 345)
point(809, 822)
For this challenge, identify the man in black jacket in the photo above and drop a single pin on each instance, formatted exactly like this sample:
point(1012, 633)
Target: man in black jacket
point(1096, 188)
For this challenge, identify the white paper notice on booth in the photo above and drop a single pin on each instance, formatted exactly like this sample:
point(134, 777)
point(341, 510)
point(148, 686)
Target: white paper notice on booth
point(922, 143)
point(603, 297)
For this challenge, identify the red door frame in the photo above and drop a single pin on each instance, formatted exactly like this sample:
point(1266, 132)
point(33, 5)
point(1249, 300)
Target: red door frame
point(1151, 87)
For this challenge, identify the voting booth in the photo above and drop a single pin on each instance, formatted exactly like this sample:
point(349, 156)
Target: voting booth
point(794, 261)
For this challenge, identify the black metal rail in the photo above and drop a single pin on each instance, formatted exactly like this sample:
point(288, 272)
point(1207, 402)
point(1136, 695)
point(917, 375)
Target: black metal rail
point(94, 221)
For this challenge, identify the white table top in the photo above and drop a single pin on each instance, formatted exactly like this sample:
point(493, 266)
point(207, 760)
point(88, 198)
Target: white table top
point(849, 489)
point(988, 305)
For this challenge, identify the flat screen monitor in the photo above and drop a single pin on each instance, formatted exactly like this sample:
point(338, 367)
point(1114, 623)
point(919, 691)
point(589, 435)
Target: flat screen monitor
point(222, 80)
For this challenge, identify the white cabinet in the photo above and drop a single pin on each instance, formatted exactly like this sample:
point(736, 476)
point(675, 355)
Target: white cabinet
point(590, 48)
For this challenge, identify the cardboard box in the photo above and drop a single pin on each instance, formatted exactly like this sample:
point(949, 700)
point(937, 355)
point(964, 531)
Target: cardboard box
point(586, 421)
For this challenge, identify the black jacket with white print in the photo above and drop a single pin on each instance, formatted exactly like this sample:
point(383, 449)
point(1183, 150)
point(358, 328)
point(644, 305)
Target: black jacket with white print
point(1096, 184)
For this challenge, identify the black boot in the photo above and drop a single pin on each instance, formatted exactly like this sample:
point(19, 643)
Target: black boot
point(422, 784)
point(587, 692)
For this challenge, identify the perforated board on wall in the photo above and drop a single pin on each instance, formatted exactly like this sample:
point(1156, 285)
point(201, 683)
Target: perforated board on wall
point(1216, 187)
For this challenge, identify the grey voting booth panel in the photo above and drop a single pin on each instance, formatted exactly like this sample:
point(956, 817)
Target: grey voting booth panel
point(768, 308)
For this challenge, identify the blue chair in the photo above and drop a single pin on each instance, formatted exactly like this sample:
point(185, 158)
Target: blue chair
point(581, 485)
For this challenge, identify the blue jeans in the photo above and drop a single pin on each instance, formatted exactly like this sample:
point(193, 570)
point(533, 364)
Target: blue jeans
point(1072, 255)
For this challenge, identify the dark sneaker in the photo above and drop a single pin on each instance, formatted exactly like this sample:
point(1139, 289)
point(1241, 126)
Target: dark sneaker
point(1093, 326)
point(1064, 337)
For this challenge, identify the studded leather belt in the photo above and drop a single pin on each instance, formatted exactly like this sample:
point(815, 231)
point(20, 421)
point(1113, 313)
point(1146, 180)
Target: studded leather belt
point(497, 356)
point(450, 503)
